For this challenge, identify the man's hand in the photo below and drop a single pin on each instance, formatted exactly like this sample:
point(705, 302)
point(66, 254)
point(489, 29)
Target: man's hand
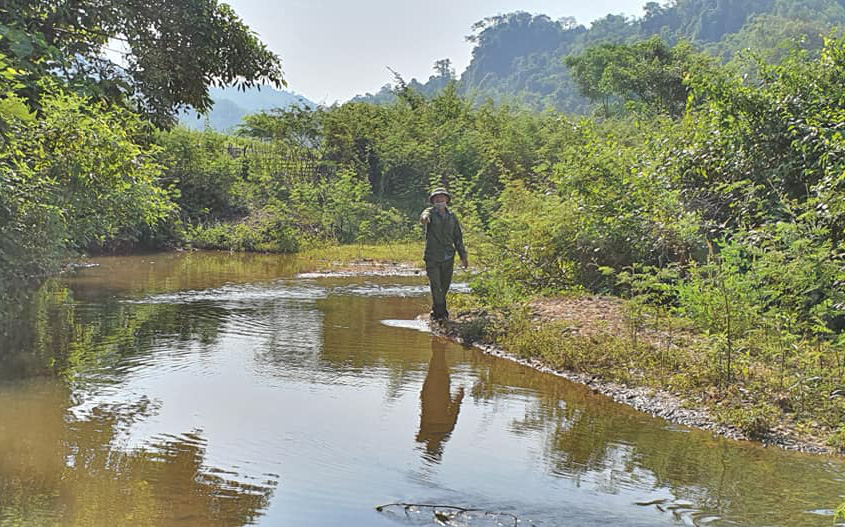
point(424, 219)
point(464, 263)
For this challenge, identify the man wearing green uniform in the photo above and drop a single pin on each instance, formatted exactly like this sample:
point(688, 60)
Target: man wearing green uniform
point(443, 237)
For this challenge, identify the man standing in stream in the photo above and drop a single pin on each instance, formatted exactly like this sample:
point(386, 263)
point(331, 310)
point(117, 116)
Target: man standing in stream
point(443, 237)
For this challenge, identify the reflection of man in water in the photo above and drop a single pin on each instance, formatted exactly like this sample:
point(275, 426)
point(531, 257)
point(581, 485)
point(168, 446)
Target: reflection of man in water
point(439, 410)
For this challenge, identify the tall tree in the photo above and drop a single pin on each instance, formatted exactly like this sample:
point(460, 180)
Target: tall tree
point(648, 72)
point(172, 52)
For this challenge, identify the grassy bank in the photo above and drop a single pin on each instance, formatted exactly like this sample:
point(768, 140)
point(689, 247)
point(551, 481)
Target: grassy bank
point(797, 394)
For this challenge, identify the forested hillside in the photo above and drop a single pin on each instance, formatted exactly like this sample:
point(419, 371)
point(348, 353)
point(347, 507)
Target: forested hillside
point(520, 56)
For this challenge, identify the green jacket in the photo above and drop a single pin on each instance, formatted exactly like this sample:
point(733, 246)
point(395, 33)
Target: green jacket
point(443, 237)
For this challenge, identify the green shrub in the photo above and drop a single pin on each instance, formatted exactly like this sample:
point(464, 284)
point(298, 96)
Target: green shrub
point(202, 175)
point(754, 420)
point(837, 440)
point(77, 176)
point(267, 231)
point(840, 513)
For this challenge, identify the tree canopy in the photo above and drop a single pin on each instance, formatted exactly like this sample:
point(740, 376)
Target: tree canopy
point(648, 73)
point(170, 52)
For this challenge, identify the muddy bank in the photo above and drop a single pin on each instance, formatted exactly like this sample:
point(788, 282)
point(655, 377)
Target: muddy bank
point(599, 317)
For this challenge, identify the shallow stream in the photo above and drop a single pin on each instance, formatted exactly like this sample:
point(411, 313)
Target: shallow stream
point(214, 389)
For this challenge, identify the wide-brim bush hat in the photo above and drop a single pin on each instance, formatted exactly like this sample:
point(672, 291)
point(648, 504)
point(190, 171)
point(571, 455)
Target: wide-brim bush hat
point(437, 191)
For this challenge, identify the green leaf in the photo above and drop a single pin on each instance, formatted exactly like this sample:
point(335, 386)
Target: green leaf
point(15, 108)
point(22, 48)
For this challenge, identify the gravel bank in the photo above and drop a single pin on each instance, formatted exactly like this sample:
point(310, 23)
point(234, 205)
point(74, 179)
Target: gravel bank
point(658, 403)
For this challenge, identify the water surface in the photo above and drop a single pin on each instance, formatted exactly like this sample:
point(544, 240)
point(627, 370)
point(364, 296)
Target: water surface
point(216, 389)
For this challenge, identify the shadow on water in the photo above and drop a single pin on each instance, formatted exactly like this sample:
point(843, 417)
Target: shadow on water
point(303, 375)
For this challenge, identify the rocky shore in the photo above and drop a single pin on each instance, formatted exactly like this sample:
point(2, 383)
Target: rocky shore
point(659, 403)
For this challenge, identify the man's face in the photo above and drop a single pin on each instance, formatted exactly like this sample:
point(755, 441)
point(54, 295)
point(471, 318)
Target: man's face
point(440, 201)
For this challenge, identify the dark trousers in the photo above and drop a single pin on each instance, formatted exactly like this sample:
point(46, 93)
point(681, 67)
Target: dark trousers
point(439, 279)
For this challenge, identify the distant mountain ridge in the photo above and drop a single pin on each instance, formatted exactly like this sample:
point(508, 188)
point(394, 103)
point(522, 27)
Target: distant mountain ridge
point(232, 105)
point(519, 56)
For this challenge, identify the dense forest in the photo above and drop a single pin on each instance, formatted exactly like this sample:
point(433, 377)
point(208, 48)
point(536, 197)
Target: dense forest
point(519, 56)
point(700, 191)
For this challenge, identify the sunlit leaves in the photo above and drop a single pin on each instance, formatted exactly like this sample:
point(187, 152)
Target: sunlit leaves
point(648, 73)
point(73, 178)
point(172, 51)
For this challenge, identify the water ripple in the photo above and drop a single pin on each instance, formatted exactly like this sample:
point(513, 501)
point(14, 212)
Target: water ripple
point(391, 290)
point(240, 294)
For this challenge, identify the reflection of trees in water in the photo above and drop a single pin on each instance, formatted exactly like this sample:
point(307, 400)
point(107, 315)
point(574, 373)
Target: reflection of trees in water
point(591, 439)
point(73, 473)
point(179, 271)
point(27, 320)
point(50, 333)
point(355, 340)
point(617, 449)
point(52, 467)
point(438, 407)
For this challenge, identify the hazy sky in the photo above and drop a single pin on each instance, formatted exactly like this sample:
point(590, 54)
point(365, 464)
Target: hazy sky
point(335, 49)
